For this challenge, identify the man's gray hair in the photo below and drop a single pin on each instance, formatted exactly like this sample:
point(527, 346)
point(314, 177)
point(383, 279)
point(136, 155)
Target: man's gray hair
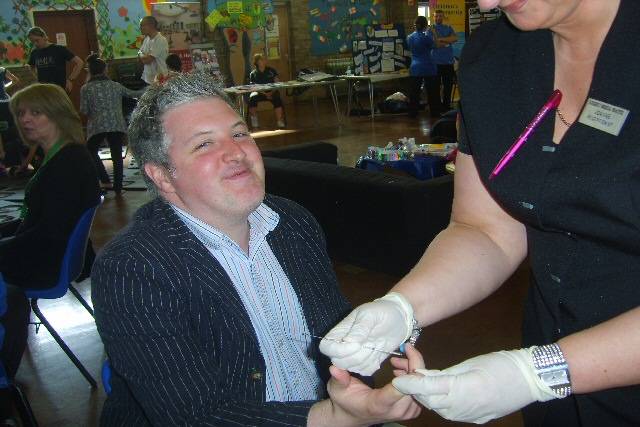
point(147, 137)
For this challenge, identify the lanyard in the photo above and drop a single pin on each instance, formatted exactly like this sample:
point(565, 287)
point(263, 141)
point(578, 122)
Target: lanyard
point(24, 209)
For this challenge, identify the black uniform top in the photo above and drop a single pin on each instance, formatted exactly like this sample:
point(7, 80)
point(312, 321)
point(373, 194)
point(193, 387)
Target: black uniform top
point(66, 186)
point(579, 200)
point(51, 63)
point(263, 77)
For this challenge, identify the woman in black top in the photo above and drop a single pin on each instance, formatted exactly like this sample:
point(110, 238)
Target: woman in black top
point(62, 189)
point(569, 200)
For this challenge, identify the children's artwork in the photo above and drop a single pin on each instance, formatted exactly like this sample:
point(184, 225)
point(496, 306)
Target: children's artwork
point(239, 14)
point(333, 24)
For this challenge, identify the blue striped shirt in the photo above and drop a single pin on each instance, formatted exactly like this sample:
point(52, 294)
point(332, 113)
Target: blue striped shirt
point(271, 303)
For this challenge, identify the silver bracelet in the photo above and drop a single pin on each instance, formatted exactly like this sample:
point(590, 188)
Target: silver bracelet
point(552, 368)
point(415, 333)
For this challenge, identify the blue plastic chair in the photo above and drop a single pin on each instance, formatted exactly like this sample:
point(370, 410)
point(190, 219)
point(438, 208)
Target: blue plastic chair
point(106, 376)
point(20, 400)
point(72, 265)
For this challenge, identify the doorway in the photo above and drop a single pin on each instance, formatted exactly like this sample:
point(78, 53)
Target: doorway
point(78, 29)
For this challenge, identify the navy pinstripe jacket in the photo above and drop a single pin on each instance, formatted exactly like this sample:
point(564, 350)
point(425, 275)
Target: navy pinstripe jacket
point(181, 345)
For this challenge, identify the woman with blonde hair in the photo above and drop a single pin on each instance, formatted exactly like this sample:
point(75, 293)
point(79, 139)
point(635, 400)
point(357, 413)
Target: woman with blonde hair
point(65, 185)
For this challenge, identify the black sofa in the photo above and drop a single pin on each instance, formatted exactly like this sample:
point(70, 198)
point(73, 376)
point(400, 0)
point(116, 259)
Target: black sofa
point(375, 220)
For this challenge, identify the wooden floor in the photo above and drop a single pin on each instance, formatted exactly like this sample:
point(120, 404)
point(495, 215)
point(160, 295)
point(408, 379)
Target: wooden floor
point(59, 394)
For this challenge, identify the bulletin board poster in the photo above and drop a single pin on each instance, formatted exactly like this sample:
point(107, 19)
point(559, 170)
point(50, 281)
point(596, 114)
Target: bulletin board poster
point(454, 15)
point(334, 24)
point(239, 14)
point(383, 50)
point(180, 23)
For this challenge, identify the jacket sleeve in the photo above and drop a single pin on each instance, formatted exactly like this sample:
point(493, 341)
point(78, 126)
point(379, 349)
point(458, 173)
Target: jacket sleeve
point(143, 320)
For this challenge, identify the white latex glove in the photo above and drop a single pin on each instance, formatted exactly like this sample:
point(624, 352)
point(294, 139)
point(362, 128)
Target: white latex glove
point(479, 389)
point(382, 324)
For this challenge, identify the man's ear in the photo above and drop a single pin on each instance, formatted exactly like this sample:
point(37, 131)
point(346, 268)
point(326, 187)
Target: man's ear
point(160, 176)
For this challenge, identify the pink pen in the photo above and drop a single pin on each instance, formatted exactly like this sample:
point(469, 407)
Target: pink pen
point(551, 103)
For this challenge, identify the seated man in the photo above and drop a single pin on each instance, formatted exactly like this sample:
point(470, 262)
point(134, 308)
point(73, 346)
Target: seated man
point(263, 74)
point(208, 302)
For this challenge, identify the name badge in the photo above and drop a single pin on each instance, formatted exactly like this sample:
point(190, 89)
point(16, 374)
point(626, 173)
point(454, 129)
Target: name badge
point(602, 116)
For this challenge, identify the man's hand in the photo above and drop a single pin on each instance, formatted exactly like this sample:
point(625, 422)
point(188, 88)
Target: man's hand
point(479, 389)
point(383, 324)
point(68, 86)
point(355, 404)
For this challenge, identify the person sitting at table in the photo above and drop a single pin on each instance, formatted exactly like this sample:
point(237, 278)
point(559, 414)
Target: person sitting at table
point(101, 102)
point(209, 302)
point(62, 189)
point(263, 74)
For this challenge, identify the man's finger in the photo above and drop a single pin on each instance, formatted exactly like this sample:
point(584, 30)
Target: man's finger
point(423, 385)
point(340, 375)
point(416, 361)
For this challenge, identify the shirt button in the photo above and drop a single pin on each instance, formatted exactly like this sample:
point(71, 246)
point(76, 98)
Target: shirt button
point(526, 205)
point(555, 278)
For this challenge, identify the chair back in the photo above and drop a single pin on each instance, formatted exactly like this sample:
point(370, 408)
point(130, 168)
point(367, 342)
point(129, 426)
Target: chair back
point(73, 260)
point(4, 381)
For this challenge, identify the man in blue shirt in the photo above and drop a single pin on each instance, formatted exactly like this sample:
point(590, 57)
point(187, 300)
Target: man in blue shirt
point(443, 57)
point(422, 68)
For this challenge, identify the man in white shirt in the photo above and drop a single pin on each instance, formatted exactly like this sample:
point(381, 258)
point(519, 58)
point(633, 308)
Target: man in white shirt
point(154, 50)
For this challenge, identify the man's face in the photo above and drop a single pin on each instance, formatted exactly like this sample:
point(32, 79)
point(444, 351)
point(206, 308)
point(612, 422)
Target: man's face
point(146, 27)
point(439, 18)
point(217, 171)
point(38, 42)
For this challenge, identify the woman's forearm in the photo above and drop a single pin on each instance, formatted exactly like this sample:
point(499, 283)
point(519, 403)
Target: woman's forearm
point(606, 355)
point(462, 266)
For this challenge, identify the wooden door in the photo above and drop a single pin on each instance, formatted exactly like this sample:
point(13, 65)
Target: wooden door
point(277, 43)
point(79, 29)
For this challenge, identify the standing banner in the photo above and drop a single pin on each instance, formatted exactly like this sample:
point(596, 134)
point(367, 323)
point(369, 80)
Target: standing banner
point(454, 16)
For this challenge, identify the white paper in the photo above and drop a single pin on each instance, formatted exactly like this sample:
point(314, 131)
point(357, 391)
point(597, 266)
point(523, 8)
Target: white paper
point(399, 57)
point(375, 68)
point(393, 33)
point(375, 43)
point(368, 51)
point(388, 46)
point(61, 39)
point(362, 45)
point(400, 64)
point(399, 49)
point(374, 58)
point(358, 71)
point(382, 33)
point(358, 59)
point(387, 65)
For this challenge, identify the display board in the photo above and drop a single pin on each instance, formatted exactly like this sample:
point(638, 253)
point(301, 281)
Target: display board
point(333, 24)
point(382, 49)
point(477, 17)
point(179, 22)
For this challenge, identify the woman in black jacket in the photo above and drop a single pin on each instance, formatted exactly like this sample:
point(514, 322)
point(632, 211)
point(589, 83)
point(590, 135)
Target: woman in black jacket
point(65, 185)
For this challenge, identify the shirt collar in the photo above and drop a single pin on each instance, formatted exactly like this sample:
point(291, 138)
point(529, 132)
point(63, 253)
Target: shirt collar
point(261, 221)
